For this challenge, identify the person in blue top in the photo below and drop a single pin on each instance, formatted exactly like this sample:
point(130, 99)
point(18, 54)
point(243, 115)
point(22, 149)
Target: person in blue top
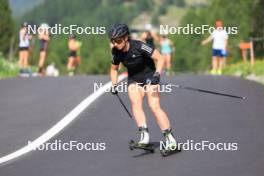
point(166, 49)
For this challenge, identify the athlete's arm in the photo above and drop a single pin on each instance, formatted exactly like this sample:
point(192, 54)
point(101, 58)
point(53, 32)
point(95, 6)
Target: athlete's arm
point(114, 73)
point(207, 40)
point(226, 42)
point(154, 35)
point(160, 60)
point(45, 36)
point(143, 37)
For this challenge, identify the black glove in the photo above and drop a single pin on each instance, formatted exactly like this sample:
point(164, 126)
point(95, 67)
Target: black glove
point(155, 79)
point(114, 89)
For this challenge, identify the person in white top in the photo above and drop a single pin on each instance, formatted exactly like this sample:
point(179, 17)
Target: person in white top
point(220, 40)
point(24, 43)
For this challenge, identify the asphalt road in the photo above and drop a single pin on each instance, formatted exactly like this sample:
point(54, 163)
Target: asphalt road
point(29, 107)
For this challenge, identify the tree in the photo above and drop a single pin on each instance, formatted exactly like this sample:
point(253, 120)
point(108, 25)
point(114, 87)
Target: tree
point(191, 56)
point(6, 26)
point(179, 3)
point(258, 27)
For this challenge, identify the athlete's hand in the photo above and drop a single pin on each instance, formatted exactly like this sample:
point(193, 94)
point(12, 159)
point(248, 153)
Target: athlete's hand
point(155, 78)
point(114, 89)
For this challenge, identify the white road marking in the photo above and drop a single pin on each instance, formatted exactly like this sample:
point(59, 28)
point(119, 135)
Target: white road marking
point(65, 121)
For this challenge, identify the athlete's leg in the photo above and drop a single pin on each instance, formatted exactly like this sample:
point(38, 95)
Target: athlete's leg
point(219, 70)
point(168, 58)
point(162, 119)
point(70, 66)
point(25, 61)
point(42, 57)
point(78, 61)
point(136, 95)
point(20, 62)
point(70, 62)
point(221, 64)
point(153, 96)
point(167, 64)
point(214, 65)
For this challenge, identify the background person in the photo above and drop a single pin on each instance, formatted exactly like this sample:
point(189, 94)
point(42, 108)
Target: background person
point(44, 38)
point(166, 49)
point(24, 43)
point(149, 38)
point(220, 40)
point(78, 59)
point(74, 47)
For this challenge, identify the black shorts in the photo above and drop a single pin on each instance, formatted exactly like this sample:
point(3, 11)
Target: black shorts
point(23, 48)
point(43, 45)
point(73, 54)
point(141, 80)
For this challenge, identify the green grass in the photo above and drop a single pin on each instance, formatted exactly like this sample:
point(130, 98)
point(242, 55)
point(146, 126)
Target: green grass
point(7, 69)
point(175, 14)
point(245, 69)
point(172, 17)
point(192, 2)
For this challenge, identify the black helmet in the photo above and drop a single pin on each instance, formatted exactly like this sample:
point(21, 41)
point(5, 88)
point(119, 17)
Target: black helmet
point(118, 30)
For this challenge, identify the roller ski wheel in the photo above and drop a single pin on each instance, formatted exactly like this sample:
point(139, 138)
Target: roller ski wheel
point(149, 147)
point(168, 152)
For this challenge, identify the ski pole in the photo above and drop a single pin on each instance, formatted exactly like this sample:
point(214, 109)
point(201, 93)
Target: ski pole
point(122, 103)
point(206, 91)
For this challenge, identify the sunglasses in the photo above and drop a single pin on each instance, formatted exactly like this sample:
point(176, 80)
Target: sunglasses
point(118, 41)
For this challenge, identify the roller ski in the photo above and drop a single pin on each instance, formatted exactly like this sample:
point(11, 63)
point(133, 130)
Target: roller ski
point(147, 147)
point(172, 146)
point(170, 150)
point(143, 144)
